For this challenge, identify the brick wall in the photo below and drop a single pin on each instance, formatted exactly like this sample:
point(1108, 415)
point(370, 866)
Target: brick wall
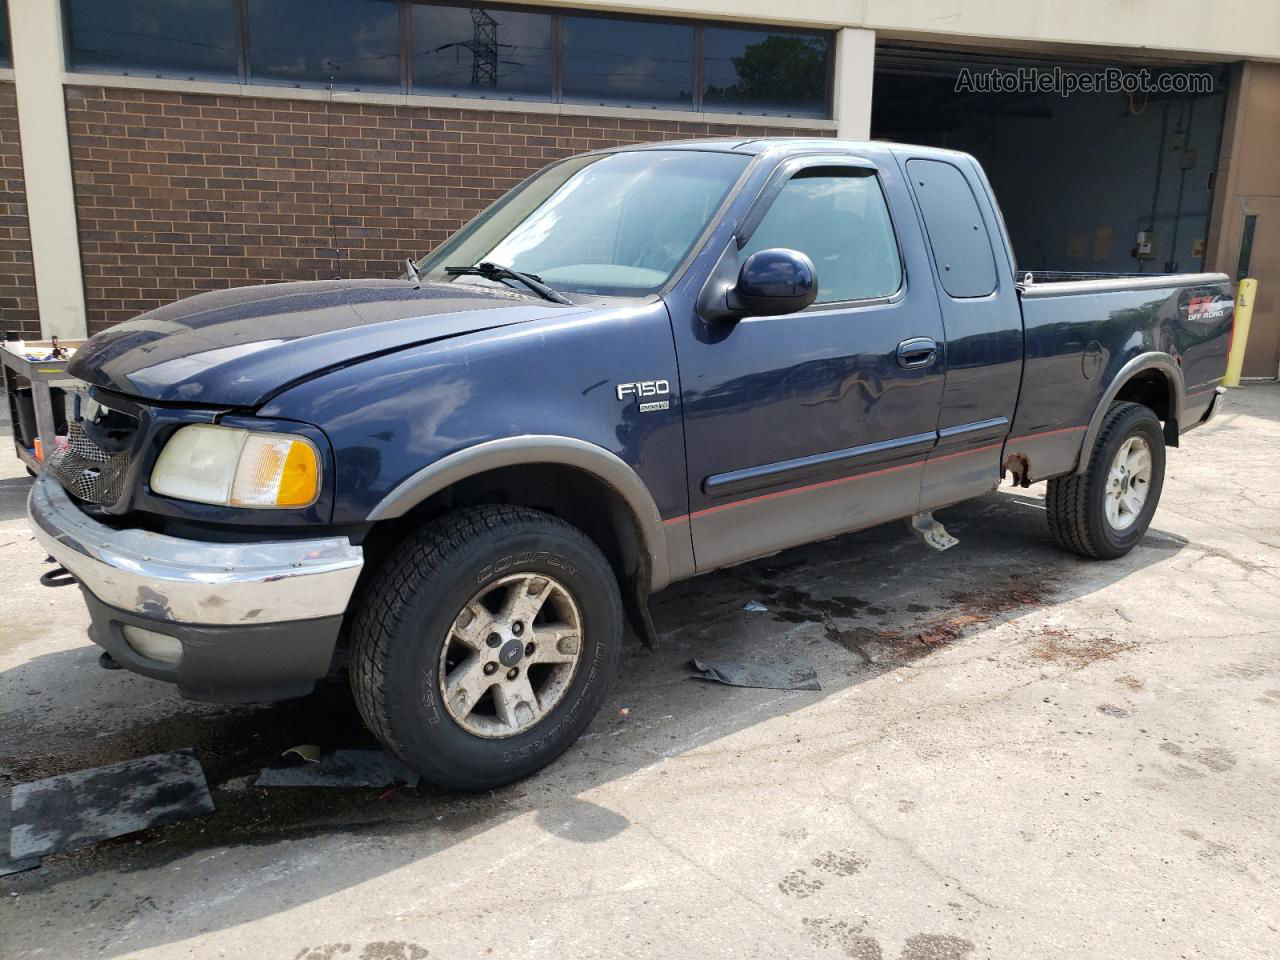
point(178, 193)
point(17, 278)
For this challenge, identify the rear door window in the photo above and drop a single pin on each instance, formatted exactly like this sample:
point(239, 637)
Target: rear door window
point(840, 220)
point(961, 247)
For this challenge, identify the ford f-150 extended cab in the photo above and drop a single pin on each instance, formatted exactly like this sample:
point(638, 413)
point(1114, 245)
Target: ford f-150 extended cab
point(639, 365)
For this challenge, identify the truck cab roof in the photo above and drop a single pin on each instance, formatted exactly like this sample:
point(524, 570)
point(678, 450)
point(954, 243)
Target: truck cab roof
point(787, 146)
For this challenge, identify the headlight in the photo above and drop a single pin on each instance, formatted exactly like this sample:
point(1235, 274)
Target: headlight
point(238, 468)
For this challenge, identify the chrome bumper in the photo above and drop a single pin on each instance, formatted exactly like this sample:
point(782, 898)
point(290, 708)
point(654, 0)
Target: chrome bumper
point(193, 581)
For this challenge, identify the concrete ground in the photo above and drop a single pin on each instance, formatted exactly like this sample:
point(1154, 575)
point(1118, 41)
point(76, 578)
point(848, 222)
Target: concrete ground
point(1015, 754)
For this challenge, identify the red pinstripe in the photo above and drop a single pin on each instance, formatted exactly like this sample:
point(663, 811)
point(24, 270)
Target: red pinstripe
point(830, 483)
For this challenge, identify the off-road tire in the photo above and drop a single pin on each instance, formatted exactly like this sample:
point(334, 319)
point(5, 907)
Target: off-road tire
point(409, 607)
point(1075, 503)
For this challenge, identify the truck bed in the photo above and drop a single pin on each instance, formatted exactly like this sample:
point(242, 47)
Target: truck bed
point(1089, 330)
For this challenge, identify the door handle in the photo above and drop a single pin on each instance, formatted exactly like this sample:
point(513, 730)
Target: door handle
point(917, 352)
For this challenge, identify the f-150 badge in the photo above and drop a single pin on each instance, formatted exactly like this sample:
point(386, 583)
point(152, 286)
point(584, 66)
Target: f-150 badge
point(647, 388)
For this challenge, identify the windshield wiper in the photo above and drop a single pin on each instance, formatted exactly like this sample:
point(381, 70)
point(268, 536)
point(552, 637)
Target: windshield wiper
point(496, 271)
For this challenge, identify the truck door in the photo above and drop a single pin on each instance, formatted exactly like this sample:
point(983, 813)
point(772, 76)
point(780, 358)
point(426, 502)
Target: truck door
point(809, 424)
point(983, 325)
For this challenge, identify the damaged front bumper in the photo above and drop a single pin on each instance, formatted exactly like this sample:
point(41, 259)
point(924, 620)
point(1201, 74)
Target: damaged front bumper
point(232, 622)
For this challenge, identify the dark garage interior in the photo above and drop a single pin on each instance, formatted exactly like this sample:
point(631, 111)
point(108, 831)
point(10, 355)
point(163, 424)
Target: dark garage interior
point(1078, 178)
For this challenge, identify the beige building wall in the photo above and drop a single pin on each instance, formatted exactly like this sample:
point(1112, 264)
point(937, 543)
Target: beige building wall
point(1249, 183)
point(1199, 29)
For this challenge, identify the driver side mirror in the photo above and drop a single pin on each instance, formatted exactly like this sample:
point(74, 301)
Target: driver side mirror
point(773, 282)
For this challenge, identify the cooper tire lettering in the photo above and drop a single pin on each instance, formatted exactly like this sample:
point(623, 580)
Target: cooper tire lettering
point(489, 571)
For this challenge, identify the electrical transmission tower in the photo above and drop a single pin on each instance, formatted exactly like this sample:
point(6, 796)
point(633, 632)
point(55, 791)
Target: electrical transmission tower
point(484, 49)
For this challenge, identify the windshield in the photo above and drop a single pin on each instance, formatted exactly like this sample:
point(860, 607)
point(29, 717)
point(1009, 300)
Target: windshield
point(615, 224)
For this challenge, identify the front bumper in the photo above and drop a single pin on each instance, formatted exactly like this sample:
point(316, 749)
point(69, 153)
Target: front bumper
point(255, 621)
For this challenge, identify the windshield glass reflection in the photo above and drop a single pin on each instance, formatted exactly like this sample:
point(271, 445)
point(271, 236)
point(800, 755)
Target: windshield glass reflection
point(613, 224)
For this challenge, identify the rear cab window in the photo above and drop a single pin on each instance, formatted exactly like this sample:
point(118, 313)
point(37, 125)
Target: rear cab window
point(839, 219)
point(957, 235)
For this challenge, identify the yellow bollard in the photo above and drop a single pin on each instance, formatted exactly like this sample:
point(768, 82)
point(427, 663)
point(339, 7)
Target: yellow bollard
point(1245, 294)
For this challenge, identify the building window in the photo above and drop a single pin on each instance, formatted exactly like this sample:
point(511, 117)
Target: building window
point(755, 71)
point(157, 38)
point(481, 52)
point(628, 62)
point(6, 48)
point(422, 46)
point(349, 43)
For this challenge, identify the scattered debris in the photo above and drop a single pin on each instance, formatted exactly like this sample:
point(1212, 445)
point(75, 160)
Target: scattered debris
point(237, 784)
point(777, 676)
point(88, 806)
point(950, 629)
point(1057, 645)
point(755, 606)
point(342, 768)
point(919, 639)
point(1113, 711)
point(309, 752)
point(1004, 599)
point(938, 634)
point(1132, 682)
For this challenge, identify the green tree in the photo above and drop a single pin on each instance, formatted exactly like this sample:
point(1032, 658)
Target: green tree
point(778, 69)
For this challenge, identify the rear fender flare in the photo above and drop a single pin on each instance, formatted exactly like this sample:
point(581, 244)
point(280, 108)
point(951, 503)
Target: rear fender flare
point(606, 467)
point(1152, 360)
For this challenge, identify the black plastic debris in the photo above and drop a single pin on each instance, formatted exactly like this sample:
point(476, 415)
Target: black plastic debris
point(82, 808)
point(342, 768)
point(768, 676)
point(9, 865)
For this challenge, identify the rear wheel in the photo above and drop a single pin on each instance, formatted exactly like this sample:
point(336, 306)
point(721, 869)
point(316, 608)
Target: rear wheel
point(484, 645)
point(1105, 511)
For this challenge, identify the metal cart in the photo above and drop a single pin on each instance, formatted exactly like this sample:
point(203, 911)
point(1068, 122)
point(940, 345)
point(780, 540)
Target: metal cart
point(41, 376)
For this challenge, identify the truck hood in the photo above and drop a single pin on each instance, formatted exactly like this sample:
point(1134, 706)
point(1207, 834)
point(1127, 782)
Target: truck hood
point(238, 347)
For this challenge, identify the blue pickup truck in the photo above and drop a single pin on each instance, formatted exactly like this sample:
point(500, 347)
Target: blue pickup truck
point(639, 365)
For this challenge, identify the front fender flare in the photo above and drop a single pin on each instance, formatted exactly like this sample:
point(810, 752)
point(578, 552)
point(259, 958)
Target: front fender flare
point(607, 467)
point(1151, 360)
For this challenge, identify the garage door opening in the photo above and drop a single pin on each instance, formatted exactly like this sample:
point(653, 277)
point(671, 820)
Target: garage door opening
point(1090, 183)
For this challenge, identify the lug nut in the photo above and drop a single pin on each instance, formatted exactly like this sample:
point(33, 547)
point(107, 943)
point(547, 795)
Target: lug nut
point(493, 640)
point(517, 628)
point(513, 673)
point(529, 648)
point(490, 668)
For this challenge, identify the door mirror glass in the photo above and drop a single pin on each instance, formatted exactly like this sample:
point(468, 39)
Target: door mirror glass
point(773, 282)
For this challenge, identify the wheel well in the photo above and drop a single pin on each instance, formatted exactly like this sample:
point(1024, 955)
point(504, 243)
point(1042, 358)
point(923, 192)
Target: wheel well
point(573, 495)
point(1152, 389)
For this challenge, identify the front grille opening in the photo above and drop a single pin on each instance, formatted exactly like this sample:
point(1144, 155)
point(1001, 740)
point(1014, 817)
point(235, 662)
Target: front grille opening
point(93, 466)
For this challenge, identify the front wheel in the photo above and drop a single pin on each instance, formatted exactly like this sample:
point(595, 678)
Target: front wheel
point(1105, 511)
point(485, 643)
